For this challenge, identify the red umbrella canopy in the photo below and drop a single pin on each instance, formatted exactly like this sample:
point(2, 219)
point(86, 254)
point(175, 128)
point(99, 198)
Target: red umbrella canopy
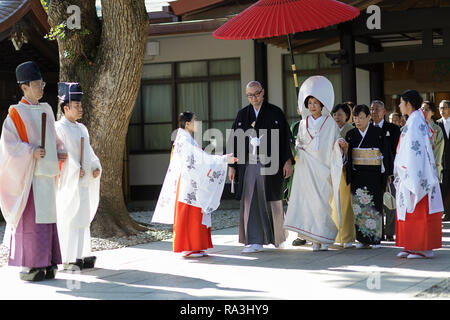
point(272, 18)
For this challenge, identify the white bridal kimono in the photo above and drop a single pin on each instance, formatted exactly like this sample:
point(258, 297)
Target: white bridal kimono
point(199, 176)
point(318, 169)
point(77, 198)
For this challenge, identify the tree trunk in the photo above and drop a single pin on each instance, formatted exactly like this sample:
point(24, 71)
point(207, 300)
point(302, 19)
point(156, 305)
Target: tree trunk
point(107, 60)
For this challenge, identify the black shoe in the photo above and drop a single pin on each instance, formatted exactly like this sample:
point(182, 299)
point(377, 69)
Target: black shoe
point(74, 266)
point(89, 262)
point(50, 272)
point(446, 217)
point(299, 242)
point(35, 274)
point(390, 238)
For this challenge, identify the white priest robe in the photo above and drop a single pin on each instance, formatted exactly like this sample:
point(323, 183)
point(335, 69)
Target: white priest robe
point(19, 170)
point(318, 169)
point(198, 176)
point(77, 198)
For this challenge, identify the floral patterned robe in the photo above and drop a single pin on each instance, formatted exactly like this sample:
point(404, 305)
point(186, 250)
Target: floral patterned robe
point(367, 185)
point(191, 191)
point(418, 199)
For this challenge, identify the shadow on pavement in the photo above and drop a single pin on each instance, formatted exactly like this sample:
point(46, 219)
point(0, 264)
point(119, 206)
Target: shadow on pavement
point(129, 284)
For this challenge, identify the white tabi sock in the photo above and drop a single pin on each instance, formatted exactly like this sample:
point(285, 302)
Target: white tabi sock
point(25, 269)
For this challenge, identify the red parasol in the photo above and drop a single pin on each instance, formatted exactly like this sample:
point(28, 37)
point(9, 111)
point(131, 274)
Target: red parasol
point(272, 18)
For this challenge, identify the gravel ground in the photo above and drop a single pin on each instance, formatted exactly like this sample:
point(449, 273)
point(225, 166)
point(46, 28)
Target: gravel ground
point(4, 251)
point(221, 219)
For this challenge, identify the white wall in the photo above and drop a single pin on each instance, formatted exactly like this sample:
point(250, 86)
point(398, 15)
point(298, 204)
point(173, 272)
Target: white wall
point(275, 74)
point(362, 86)
point(150, 169)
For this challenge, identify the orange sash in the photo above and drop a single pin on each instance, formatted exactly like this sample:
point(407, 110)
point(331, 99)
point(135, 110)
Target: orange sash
point(20, 126)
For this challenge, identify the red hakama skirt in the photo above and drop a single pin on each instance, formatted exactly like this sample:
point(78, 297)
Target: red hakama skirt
point(189, 234)
point(420, 231)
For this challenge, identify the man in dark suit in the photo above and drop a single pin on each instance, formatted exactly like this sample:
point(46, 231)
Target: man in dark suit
point(444, 123)
point(392, 133)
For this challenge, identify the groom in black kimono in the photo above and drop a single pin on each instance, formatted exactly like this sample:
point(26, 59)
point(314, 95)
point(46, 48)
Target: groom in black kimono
point(261, 137)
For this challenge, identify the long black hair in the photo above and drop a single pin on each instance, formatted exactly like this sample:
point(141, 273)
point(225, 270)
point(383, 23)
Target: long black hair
point(413, 97)
point(184, 117)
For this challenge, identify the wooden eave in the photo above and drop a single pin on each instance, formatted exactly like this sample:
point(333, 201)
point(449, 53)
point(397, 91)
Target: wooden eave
point(181, 7)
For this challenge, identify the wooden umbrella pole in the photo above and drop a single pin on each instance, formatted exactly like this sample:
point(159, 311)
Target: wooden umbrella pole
point(294, 69)
point(43, 127)
point(81, 152)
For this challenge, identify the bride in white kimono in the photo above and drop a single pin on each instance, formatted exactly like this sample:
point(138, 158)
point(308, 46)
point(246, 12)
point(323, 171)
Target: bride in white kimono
point(318, 167)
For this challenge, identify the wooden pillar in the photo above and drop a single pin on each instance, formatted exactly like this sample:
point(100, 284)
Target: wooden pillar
point(446, 36)
point(376, 76)
point(260, 54)
point(348, 69)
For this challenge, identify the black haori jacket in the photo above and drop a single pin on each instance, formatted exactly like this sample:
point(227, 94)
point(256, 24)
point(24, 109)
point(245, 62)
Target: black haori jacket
point(446, 154)
point(375, 138)
point(270, 117)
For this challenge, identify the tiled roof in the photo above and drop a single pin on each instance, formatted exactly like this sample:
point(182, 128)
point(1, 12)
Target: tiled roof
point(12, 11)
point(9, 8)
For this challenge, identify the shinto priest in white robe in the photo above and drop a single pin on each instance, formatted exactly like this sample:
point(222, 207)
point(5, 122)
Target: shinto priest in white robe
point(77, 198)
point(318, 168)
point(20, 172)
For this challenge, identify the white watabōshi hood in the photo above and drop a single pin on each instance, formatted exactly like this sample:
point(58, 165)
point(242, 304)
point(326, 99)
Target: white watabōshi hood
point(320, 88)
